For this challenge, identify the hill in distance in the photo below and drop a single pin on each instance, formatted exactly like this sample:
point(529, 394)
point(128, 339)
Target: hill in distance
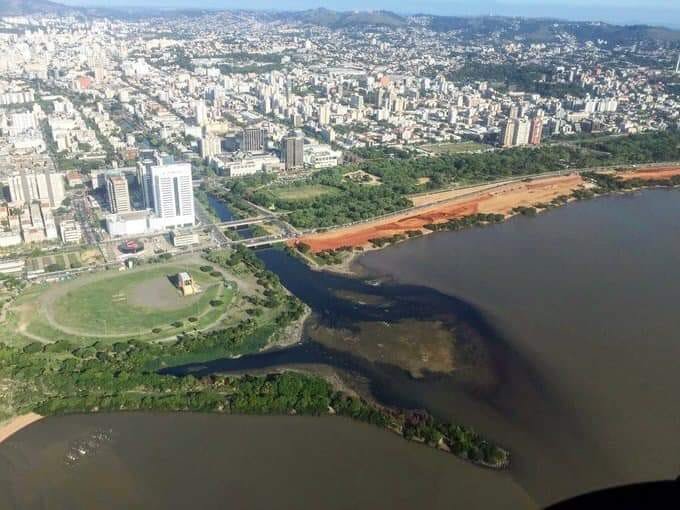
point(545, 30)
point(531, 29)
point(21, 7)
point(344, 19)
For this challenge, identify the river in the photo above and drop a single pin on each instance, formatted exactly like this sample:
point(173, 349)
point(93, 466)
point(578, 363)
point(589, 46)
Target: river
point(553, 335)
point(224, 213)
point(179, 461)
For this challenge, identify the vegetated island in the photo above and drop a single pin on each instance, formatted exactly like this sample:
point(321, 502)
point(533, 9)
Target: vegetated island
point(82, 373)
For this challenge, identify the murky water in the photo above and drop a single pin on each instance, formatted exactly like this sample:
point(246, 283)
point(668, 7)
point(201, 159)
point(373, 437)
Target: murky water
point(588, 297)
point(179, 461)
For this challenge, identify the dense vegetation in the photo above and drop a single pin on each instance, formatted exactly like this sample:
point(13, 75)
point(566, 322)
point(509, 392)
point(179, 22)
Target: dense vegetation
point(527, 78)
point(401, 174)
point(56, 378)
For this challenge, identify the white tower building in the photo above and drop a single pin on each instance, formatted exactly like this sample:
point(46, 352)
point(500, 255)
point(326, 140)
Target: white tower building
point(173, 194)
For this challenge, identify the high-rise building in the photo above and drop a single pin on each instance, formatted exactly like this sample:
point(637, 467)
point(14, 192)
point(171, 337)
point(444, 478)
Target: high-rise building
point(324, 114)
point(356, 101)
point(210, 145)
point(379, 94)
point(148, 158)
point(521, 132)
point(252, 139)
point(293, 153)
point(201, 112)
point(453, 115)
point(509, 132)
point(144, 183)
point(536, 130)
point(173, 194)
point(118, 193)
point(27, 186)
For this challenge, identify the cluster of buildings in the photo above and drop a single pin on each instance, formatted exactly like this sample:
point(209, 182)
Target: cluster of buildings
point(241, 93)
point(288, 96)
point(519, 131)
point(167, 199)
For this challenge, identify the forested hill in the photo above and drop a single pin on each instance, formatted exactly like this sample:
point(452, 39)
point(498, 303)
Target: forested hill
point(545, 30)
point(338, 19)
point(531, 29)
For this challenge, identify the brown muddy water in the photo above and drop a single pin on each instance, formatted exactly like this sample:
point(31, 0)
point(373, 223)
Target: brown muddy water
point(587, 296)
point(179, 461)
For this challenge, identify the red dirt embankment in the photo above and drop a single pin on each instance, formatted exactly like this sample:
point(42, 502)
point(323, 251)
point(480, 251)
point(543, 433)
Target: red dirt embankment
point(658, 173)
point(489, 199)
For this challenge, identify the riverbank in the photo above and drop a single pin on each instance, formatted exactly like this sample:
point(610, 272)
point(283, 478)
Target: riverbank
point(453, 210)
point(14, 425)
point(440, 207)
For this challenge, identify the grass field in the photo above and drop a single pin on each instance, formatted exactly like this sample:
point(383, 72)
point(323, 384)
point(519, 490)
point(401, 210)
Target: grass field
point(454, 148)
point(142, 303)
point(303, 192)
point(115, 305)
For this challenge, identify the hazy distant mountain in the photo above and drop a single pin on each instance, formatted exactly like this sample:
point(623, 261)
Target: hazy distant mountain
point(19, 7)
point(531, 29)
point(348, 19)
point(544, 30)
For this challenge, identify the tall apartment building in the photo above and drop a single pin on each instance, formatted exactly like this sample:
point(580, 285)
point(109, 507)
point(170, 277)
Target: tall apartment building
point(521, 133)
point(201, 111)
point(293, 151)
point(118, 194)
point(453, 115)
point(536, 130)
point(324, 114)
point(173, 194)
point(45, 186)
point(508, 137)
point(252, 139)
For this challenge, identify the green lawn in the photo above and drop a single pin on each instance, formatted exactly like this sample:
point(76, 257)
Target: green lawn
point(103, 305)
point(302, 192)
point(454, 148)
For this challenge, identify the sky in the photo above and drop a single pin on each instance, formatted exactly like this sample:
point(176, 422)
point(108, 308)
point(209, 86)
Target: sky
point(661, 12)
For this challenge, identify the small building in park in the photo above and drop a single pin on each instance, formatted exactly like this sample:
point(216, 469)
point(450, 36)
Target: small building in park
point(185, 283)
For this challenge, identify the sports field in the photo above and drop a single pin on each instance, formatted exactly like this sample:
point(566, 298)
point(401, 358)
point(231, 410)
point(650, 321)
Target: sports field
point(142, 302)
point(303, 192)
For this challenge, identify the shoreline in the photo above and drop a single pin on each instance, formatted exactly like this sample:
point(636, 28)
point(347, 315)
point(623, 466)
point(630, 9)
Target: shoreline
point(291, 334)
point(13, 425)
point(351, 266)
point(439, 208)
